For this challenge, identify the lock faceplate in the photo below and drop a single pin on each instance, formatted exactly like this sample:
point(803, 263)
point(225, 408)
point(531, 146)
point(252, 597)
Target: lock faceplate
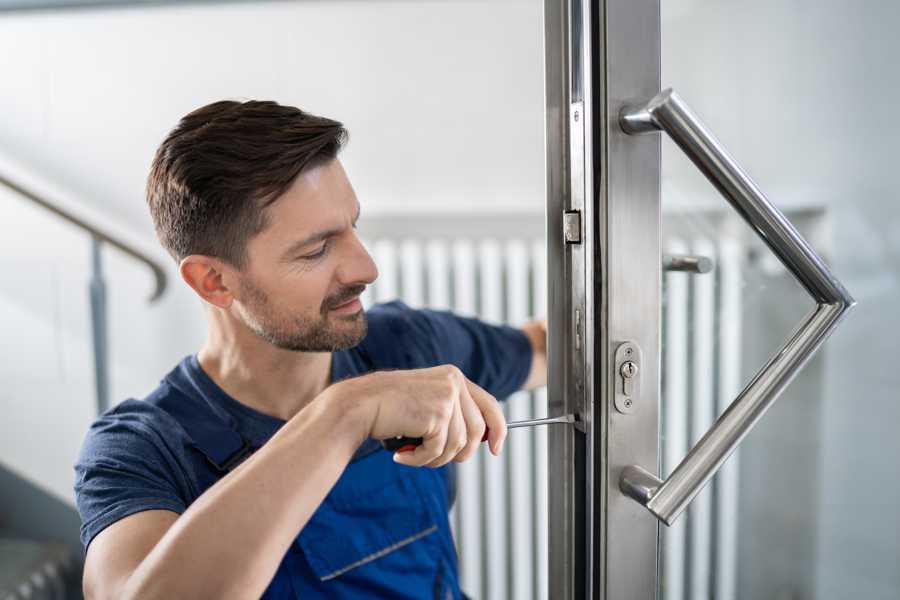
point(628, 377)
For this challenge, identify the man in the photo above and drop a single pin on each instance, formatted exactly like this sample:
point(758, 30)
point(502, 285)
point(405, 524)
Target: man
point(253, 469)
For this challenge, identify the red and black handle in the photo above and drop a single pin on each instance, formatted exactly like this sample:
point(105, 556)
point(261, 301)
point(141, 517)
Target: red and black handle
point(408, 444)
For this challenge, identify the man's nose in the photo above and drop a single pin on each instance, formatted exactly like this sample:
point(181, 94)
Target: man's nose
point(359, 266)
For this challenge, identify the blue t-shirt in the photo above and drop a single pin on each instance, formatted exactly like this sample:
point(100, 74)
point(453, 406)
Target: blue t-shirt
point(137, 457)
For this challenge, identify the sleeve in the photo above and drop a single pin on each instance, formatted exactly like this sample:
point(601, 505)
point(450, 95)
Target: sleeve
point(123, 468)
point(496, 357)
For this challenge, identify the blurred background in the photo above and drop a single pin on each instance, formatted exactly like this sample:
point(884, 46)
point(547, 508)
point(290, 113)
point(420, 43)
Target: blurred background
point(444, 100)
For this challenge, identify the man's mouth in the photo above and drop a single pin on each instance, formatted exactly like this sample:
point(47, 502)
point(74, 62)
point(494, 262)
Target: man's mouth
point(351, 305)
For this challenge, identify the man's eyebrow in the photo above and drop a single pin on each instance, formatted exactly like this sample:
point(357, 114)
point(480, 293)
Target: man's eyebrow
point(294, 248)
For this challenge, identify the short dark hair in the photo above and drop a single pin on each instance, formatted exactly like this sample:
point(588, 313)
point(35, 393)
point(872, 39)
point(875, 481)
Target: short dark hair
point(223, 164)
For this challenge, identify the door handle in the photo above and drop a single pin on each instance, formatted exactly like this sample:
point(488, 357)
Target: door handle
point(668, 112)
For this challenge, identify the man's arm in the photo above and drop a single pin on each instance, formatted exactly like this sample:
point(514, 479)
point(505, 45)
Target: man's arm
point(537, 335)
point(230, 541)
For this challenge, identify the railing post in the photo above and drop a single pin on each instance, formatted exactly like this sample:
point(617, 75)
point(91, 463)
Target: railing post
point(97, 290)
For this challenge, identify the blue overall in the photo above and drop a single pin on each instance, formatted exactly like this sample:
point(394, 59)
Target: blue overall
point(381, 532)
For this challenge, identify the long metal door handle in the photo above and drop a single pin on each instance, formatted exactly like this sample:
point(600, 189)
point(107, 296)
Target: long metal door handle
point(666, 499)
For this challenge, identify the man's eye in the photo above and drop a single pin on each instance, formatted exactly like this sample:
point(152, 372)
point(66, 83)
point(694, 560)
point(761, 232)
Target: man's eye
point(318, 254)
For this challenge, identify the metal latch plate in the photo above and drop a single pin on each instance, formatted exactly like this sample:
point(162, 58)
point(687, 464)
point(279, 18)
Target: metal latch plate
point(572, 226)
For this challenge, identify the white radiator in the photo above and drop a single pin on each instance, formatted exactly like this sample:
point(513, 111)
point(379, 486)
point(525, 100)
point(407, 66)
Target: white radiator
point(500, 516)
point(700, 377)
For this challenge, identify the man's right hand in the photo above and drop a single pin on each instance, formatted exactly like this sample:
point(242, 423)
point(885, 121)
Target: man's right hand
point(438, 404)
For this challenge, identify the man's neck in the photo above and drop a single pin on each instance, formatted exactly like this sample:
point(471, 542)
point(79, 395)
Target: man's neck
point(270, 380)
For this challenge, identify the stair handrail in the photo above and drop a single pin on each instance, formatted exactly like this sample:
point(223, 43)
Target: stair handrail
point(98, 232)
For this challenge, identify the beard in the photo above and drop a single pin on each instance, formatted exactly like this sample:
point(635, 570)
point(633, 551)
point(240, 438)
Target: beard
point(302, 333)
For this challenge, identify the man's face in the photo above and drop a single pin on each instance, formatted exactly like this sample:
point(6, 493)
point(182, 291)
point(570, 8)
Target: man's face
point(305, 264)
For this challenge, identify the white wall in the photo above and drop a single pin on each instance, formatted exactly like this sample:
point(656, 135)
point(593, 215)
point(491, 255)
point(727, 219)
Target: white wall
point(443, 100)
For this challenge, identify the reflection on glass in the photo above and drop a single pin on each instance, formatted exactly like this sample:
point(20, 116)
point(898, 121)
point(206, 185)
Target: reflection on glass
point(786, 517)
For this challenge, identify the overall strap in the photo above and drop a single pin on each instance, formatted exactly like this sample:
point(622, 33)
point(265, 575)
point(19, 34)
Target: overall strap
point(215, 432)
point(212, 431)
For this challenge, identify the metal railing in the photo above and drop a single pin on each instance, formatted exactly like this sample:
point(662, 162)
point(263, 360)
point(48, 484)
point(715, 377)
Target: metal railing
point(100, 236)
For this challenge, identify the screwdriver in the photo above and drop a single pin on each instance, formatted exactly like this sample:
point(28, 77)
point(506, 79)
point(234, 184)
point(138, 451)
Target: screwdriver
point(408, 444)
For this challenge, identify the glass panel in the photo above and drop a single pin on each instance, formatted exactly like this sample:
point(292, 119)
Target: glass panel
point(796, 93)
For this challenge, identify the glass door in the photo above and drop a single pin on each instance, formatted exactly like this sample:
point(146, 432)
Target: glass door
point(700, 276)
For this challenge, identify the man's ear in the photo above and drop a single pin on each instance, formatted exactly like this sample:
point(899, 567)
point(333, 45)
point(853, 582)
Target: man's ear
point(209, 277)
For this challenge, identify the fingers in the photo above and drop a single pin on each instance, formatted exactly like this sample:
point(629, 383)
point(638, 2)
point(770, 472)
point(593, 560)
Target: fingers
point(446, 422)
point(456, 438)
point(456, 428)
point(474, 425)
point(492, 415)
point(431, 448)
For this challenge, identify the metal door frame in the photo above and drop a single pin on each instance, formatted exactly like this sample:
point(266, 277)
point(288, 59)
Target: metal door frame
point(602, 188)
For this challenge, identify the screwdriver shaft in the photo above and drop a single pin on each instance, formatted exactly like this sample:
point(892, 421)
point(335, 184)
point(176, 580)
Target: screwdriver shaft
point(547, 421)
point(408, 444)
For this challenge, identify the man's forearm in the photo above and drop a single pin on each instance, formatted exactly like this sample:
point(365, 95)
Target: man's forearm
point(231, 540)
point(536, 331)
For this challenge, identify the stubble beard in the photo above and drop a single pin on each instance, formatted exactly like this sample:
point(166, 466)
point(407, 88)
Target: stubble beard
point(300, 333)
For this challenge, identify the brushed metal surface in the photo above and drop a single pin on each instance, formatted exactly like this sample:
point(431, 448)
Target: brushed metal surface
point(631, 258)
point(570, 308)
point(601, 55)
point(667, 112)
point(565, 478)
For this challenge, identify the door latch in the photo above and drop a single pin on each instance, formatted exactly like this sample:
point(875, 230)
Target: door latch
point(572, 226)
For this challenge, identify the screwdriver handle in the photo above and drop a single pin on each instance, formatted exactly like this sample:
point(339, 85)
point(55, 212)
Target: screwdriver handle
point(408, 444)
